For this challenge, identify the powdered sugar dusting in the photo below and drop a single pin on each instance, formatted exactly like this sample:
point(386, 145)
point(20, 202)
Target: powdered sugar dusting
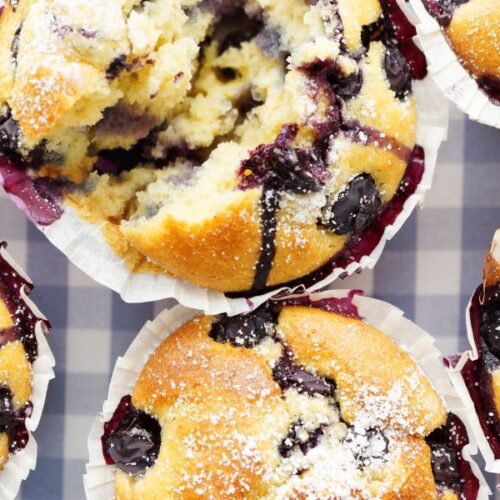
point(238, 434)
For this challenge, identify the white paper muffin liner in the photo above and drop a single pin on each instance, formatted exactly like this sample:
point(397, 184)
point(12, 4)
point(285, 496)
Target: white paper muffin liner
point(99, 477)
point(84, 244)
point(455, 372)
point(451, 77)
point(22, 462)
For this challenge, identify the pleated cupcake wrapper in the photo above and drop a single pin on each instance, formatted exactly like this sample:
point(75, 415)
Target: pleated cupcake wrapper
point(20, 464)
point(455, 372)
point(99, 478)
point(84, 243)
point(451, 77)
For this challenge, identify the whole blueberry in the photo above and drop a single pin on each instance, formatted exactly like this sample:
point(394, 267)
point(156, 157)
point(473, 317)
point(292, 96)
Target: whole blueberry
point(490, 326)
point(445, 465)
point(355, 208)
point(398, 72)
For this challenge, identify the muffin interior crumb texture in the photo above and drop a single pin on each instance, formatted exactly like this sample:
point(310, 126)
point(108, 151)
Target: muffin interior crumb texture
point(285, 403)
point(239, 136)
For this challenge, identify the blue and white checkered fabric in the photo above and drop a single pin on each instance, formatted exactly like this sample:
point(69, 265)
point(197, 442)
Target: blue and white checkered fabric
point(429, 270)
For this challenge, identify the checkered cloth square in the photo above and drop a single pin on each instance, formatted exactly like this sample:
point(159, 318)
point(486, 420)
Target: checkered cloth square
point(429, 270)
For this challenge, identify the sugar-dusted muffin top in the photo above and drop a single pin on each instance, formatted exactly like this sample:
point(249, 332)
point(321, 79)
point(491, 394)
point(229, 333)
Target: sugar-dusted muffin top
point(290, 401)
point(18, 350)
point(238, 145)
point(473, 30)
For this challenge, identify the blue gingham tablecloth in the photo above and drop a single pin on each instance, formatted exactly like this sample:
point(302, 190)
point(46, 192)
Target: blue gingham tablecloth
point(429, 270)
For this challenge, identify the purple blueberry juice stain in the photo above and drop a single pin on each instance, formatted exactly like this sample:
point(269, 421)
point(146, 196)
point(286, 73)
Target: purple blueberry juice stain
point(131, 439)
point(235, 28)
point(489, 327)
point(246, 330)
point(329, 76)
point(364, 244)
point(490, 85)
point(363, 134)
point(449, 467)
point(12, 422)
point(295, 440)
point(125, 121)
point(11, 284)
point(279, 168)
point(14, 48)
point(39, 198)
point(116, 66)
point(477, 374)
point(402, 33)
point(289, 375)
point(360, 245)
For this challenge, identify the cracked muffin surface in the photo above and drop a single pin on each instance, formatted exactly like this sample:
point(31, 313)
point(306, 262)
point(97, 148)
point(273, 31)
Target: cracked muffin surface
point(238, 145)
point(290, 401)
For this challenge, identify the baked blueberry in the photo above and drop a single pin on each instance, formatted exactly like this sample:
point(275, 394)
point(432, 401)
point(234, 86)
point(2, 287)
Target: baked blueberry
point(289, 416)
point(262, 111)
point(132, 439)
point(355, 208)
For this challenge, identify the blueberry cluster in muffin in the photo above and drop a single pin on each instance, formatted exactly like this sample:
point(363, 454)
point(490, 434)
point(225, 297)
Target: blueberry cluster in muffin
point(482, 376)
point(238, 145)
point(472, 28)
point(18, 350)
point(289, 401)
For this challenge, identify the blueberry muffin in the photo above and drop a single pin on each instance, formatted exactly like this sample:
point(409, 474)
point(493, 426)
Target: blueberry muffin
point(290, 401)
point(472, 28)
point(482, 376)
point(18, 350)
point(237, 145)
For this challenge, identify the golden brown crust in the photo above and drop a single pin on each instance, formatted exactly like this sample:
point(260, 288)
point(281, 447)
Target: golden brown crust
point(219, 254)
point(354, 16)
point(40, 100)
point(414, 478)
point(4, 449)
point(355, 354)
point(212, 400)
point(190, 356)
point(62, 90)
point(492, 263)
point(495, 384)
point(223, 416)
point(491, 271)
point(474, 33)
point(6, 320)
point(15, 372)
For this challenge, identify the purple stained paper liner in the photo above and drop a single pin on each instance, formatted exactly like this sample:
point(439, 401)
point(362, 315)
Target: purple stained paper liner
point(453, 80)
point(83, 243)
point(465, 374)
point(15, 287)
point(99, 478)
